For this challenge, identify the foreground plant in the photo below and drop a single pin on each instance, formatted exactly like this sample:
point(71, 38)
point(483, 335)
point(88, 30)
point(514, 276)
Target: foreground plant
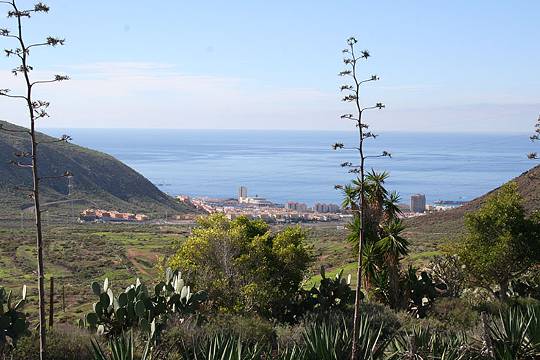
point(385, 245)
point(137, 307)
point(121, 347)
point(515, 334)
point(333, 341)
point(352, 61)
point(13, 323)
point(245, 266)
point(426, 344)
point(37, 109)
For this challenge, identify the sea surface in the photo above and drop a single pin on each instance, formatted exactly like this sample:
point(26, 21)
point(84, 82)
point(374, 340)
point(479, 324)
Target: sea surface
point(301, 165)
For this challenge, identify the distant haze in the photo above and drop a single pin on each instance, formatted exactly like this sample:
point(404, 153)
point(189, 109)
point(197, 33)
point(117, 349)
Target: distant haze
point(444, 66)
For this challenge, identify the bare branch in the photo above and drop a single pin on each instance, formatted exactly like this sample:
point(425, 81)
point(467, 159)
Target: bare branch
point(373, 78)
point(63, 138)
point(50, 41)
point(379, 106)
point(22, 188)
point(5, 92)
point(384, 154)
point(57, 78)
point(64, 175)
point(23, 154)
point(21, 165)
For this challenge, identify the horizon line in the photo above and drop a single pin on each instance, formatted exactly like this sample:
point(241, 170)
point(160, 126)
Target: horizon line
point(511, 132)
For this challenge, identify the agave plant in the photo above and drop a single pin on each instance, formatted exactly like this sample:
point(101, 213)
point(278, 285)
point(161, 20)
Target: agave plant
point(121, 348)
point(13, 323)
point(223, 347)
point(426, 344)
point(516, 334)
point(332, 341)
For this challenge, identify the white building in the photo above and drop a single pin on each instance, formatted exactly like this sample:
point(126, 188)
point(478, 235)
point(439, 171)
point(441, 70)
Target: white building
point(254, 201)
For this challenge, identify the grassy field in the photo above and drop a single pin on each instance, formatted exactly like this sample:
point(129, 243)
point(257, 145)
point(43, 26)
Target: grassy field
point(78, 254)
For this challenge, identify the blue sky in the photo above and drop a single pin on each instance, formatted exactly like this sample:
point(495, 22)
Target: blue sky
point(444, 66)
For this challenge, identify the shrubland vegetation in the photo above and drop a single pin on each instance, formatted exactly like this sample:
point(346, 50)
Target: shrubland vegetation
point(240, 289)
point(445, 314)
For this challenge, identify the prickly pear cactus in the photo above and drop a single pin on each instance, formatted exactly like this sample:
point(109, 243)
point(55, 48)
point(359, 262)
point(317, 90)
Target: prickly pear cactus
point(138, 307)
point(13, 323)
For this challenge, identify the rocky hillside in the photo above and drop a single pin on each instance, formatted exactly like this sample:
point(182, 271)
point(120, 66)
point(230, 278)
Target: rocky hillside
point(99, 180)
point(434, 228)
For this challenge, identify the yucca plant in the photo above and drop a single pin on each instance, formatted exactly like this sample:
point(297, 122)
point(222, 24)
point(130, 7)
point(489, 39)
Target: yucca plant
point(223, 347)
point(121, 347)
point(426, 344)
point(333, 341)
point(515, 334)
point(294, 352)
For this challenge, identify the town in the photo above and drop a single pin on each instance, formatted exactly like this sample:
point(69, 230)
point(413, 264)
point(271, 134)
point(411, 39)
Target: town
point(296, 212)
point(98, 215)
point(262, 208)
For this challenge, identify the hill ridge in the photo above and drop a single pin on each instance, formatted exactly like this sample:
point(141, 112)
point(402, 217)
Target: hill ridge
point(98, 177)
point(435, 227)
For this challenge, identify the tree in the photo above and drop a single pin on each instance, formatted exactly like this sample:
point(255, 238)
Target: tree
point(243, 265)
point(352, 61)
point(535, 137)
point(37, 109)
point(501, 241)
point(384, 245)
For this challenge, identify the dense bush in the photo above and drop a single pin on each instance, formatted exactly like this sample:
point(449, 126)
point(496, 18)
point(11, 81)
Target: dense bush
point(63, 343)
point(454, 313)
point(501, 242)
point(245, 267)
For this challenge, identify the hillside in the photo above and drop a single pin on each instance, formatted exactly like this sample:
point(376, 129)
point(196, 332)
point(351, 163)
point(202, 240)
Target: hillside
point(99, 180)
point(433, 228)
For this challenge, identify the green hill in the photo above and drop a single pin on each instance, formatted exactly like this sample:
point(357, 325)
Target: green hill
point(433, 229)
point(99, 180)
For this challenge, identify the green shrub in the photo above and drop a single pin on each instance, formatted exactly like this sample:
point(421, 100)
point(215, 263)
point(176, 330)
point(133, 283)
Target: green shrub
point(181, 337)
point(456, 313)
point(244, 266)
point(381, 316)
point(63, 343)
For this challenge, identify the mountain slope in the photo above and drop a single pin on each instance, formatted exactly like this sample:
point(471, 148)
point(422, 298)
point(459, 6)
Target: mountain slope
point(98, 179)
point(434, 228)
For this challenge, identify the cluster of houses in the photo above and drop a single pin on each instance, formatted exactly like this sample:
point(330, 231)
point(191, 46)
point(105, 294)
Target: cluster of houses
point(110, 216)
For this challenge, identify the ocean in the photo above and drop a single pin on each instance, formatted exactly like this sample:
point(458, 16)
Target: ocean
point(301, 165)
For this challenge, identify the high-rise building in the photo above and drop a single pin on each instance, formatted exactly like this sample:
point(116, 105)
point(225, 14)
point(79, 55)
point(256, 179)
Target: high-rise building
point(242, 193)
point(291, 205)
point(326, 208)
point(418, 203)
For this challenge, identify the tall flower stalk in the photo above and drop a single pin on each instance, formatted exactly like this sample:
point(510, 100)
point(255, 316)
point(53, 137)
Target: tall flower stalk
point(37, 109)
point(352, 89)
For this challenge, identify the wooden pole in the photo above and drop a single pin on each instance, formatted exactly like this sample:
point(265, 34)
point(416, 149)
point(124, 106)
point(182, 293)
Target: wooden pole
point(51, 304)
point(63, 297)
